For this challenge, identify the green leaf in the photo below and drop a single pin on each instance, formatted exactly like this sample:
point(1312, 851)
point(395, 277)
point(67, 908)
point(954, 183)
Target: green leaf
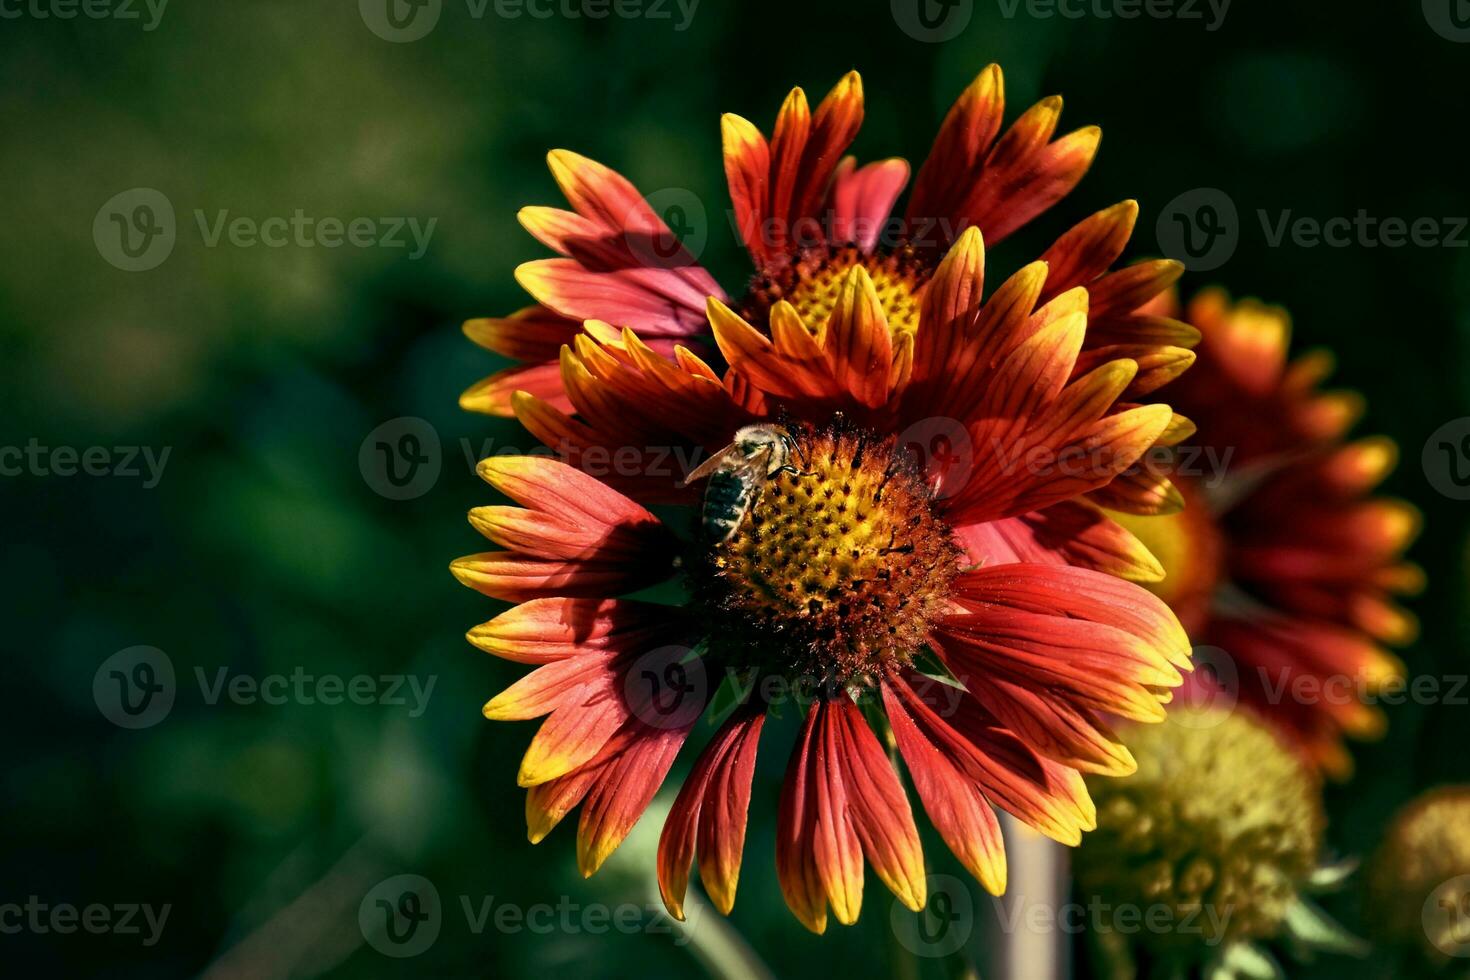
point(732, 690)
point(1314, 929)
point(1242, 961)
point(1331, 876)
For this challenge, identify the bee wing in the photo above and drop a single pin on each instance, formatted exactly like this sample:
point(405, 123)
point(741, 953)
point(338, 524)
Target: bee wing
point(710, 465)
point(752, 468)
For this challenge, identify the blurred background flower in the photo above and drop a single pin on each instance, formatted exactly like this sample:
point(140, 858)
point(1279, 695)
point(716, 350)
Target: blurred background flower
point(1208, 855)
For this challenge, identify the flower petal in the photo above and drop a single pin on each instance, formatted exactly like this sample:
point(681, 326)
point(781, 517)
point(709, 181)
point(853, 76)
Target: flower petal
point(954, 800)
point(711, 809)
point(620, 794)
point(818, 854)
point(546, 630)
point(960, 148)
point(862, 200)
point(495, 395)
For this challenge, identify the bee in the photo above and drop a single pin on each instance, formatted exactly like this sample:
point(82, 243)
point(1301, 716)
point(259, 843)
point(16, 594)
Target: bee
point(737, 475)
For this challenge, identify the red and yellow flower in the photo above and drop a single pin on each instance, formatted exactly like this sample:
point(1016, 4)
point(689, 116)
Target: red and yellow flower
point(934, 560)
point(1283, 559)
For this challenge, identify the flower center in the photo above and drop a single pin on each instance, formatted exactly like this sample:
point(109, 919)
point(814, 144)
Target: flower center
point(838, 565)
point(1220, 813)
point(814, 282)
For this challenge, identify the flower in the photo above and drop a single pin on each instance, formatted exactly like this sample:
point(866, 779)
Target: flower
point(901, 529)
point(1283, 560)
point(807, 215)
point(1215, 842)
point(1419, 883)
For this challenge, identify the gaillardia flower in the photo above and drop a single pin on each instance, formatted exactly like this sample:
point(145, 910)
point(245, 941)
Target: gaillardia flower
point(891, 490)
point(807, 215)
point(1214, 843)
point(1419, 883)
point(1282, 559)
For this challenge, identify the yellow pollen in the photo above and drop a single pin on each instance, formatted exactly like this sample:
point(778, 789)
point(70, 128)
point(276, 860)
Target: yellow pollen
point(814, 282)
point(839, 566)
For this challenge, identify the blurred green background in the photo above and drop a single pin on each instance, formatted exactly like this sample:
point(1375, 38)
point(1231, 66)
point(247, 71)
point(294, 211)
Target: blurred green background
point(264, 550)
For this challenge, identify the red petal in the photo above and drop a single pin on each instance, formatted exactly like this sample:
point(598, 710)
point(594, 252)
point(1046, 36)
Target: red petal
point(546, 630)
point(862, 200)
point(495, 395)
point(711, 807)
point(955, 802)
